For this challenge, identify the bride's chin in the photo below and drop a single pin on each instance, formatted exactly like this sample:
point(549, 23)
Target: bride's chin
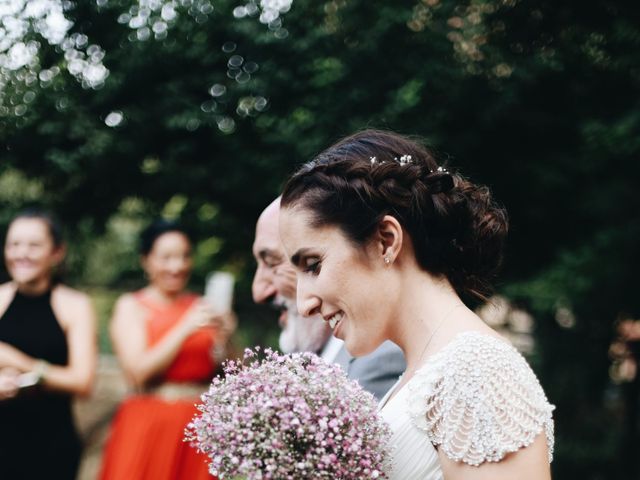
point(357, 349)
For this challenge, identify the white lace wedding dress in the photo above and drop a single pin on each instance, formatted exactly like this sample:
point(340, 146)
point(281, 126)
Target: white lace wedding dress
point(476, 399)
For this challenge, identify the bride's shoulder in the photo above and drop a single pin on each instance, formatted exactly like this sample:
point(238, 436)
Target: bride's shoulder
point(478, 399)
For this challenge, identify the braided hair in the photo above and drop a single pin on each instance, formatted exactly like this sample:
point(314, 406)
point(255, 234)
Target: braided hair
point(456, 228)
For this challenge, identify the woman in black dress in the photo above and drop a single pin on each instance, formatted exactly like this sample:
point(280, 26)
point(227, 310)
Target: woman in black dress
point(47, 354)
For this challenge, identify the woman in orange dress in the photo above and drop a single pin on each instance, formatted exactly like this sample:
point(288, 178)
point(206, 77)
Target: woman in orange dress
point(168, 342)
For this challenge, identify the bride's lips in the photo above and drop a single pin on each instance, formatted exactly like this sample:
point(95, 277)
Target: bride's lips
point(334, 321)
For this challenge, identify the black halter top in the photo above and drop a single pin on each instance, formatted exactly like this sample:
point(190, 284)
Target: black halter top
point(37, 435)
point(30, 325)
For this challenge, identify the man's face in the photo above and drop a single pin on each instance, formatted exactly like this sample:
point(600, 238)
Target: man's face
point(275, 278)
point(275, 283)
point(302, 334)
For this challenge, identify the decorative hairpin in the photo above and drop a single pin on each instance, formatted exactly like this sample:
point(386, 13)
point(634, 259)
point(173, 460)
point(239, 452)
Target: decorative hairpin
point(440, 180)
point(403, 160)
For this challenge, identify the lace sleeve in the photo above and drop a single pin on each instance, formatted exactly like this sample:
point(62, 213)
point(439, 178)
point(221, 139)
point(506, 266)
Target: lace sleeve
point(479, 400)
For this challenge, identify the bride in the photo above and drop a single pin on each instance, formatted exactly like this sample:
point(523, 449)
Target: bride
point(389, 245)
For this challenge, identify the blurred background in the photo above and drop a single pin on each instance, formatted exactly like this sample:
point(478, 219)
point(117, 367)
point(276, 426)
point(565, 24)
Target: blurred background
point(114, 112)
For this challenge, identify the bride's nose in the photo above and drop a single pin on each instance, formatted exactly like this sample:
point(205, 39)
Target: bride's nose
point(307, 302)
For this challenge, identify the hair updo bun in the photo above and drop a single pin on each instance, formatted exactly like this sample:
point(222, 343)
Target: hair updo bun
point(456, 228)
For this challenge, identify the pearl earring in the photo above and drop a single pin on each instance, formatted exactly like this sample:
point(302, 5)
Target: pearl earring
point(387, 259)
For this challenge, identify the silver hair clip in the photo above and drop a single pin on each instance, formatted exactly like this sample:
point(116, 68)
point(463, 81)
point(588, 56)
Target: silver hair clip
point(439, 181)
point(404, 160)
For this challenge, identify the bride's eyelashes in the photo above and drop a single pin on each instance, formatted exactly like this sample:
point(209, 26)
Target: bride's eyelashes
point(312, 265)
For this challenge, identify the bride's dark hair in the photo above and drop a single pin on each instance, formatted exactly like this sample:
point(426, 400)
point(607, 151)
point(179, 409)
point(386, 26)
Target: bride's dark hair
point(456, 228)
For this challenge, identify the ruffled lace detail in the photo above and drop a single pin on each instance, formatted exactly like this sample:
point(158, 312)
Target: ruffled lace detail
point(478, 400)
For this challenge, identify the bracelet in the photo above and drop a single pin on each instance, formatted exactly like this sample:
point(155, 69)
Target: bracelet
point(40, 370)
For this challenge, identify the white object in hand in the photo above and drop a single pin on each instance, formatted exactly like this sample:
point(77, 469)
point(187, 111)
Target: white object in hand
point(218, 291)
point(27, 379)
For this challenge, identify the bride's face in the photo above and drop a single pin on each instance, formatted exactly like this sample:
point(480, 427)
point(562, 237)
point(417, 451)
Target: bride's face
point(343, 283)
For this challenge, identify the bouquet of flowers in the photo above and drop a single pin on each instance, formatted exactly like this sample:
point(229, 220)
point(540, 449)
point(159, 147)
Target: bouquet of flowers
point(289, 417)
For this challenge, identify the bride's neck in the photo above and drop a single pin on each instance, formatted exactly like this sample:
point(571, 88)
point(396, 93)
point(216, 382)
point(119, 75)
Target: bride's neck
point(427, 303)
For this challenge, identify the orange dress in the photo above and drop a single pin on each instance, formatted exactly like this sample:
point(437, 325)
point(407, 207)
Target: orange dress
point(146, 439)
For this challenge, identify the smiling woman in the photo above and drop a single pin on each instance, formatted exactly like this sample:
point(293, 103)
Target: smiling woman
point(388, 245)
point(47, 353)
point(168, 342)
point(321, 264)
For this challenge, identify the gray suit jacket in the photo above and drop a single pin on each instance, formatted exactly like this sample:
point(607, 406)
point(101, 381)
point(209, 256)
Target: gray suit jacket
point(376, 372)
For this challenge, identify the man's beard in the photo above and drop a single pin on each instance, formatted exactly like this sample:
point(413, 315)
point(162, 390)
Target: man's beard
point(302, 334)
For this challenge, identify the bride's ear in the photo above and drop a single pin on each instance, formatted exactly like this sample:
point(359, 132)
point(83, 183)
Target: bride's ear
point(389, 239)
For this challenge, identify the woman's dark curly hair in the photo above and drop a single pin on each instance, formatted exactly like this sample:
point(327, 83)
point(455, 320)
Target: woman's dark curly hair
point(456, 228)
point(158, 228)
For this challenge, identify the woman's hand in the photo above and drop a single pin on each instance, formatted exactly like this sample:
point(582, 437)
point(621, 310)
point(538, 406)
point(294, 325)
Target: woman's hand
point(11, 357)
point(200, 315)
point(225, 324)
point(9, 386)
point(203, 314)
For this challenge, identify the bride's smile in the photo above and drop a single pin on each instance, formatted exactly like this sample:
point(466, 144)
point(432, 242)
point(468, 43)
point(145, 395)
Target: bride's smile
point(339, 280)
point(388, 245)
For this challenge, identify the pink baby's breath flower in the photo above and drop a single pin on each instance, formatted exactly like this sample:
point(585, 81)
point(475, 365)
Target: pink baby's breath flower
point(289, 417)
